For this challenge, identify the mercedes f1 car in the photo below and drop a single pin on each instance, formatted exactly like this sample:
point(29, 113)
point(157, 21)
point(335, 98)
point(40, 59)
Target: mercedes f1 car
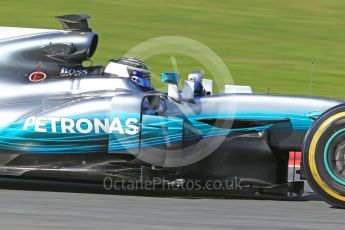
point(61, 120)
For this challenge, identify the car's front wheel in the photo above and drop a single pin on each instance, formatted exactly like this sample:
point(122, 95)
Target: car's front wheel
point(324, 156)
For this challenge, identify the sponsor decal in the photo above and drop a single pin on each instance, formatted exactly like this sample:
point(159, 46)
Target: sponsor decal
point(70, 72)
point(82, 125)
point(37, 76)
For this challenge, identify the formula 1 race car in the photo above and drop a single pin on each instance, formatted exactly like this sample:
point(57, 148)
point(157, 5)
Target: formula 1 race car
point(63, 121)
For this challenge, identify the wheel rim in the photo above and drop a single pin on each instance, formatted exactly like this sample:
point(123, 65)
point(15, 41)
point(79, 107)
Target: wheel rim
point(334, 156)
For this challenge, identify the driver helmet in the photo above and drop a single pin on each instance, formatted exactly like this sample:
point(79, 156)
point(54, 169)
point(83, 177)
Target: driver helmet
point(132, 68)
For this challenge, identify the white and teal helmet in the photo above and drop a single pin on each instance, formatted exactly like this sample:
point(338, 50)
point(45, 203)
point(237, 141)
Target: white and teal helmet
point(132, 68)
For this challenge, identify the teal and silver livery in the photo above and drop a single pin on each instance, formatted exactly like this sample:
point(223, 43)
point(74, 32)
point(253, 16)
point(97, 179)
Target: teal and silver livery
point(62, 120)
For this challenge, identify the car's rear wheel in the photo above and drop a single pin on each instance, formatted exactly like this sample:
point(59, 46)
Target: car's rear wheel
point(324, 156)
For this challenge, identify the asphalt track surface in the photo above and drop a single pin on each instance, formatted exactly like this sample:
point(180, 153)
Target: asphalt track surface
point(26, 209)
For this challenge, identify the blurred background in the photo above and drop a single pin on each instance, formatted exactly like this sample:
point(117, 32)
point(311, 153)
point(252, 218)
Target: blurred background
point(276, 46)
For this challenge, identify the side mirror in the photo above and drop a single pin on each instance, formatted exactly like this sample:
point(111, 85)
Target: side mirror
point(172, 80)
point(208, 86)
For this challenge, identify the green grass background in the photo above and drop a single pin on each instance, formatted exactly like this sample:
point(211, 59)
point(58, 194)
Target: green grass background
point(268, 44)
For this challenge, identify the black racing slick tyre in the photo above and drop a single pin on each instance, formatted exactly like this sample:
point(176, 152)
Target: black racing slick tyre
point(324, 156)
